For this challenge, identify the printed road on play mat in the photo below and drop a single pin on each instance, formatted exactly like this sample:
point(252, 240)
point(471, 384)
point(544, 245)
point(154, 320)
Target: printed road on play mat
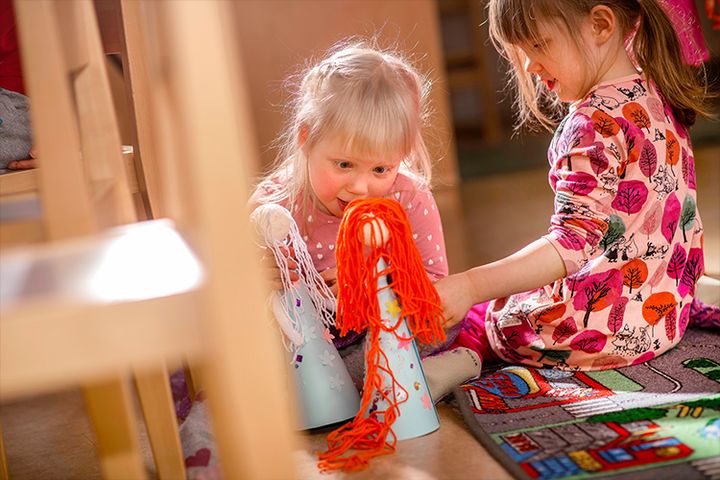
point(657, 420)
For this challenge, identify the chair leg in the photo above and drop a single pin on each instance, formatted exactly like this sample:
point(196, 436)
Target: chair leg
point(4, 475)
point(109, 406)
point(159, 411)
point(193, 380)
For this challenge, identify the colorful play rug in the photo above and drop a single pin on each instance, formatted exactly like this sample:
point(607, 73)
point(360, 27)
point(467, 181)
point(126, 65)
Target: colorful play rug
point(658, 420)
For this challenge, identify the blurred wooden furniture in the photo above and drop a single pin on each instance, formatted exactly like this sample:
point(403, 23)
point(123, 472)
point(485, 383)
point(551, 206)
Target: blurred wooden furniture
point(83, 188)
point(474, 99)
point(21, 187)
point(82, 309)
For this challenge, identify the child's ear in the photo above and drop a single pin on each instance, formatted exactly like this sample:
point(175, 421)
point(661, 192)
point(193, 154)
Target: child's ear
point(303, 135)
point(603, 23)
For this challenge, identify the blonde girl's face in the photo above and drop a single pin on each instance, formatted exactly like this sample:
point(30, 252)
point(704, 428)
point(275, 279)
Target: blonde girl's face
point(338, 177)
point(555, 60)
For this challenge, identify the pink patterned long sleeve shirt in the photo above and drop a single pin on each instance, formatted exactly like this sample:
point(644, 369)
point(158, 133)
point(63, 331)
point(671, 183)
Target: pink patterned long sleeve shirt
point(627, 227)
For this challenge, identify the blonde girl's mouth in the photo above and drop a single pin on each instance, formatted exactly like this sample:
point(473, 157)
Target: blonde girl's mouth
point(342, 204)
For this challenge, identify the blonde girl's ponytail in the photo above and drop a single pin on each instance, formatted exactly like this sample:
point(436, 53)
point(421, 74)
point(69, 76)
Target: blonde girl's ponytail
point(656, 49)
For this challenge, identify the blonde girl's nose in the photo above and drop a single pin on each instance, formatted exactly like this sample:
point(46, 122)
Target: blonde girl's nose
point(358, 185)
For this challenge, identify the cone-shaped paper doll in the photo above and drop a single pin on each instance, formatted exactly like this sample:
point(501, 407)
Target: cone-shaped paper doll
point(323, 384)
point(417, 415)
point(383, 287)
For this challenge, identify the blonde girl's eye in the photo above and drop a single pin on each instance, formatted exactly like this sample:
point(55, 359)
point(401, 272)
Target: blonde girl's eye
point(381, 170)
point(343, 164)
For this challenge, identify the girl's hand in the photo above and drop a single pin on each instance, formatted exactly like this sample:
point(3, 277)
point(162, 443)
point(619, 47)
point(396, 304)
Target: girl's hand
point(268, 260)
point(25, 164)
point(330, 277)
point(456, 294)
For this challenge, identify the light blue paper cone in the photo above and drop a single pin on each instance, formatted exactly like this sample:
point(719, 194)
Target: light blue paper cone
point(417, 415)
point(323, 384)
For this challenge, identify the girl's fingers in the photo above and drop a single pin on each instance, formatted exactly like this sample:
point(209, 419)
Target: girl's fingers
point(22, 164)
point(329, 275)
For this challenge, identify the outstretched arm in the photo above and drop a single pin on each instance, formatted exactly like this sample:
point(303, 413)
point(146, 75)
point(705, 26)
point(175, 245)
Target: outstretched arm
point(533, 266)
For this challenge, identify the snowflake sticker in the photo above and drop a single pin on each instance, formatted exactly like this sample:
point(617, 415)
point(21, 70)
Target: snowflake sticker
point(336, 383)
point(327, 358)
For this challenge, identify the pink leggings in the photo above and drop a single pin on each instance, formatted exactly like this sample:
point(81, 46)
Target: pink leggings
point(473, 335)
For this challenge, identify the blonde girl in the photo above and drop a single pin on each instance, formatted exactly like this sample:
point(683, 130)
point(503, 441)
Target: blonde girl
point(356, 132)
point(613, 281)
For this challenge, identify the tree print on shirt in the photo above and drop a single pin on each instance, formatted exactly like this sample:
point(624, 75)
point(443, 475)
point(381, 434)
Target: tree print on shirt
point(597, 292)
point(657, 306)
point(604, 124)
point(589, 341)
point(688, 169)
point(566, 329)
point(635, 273)
point(634, 139)
point(672, 149)
point(598, 161)
point(648, 159)
point(637, 114)
point(577, 132)
point(684, 319)
point(655, 108)
point(671, 217)
point(630, 197)
point(670, 324)
point(551, 313)
point(615, 230)
point(687, 216)
point(694, 267)
point(676, 264)
point(651, 221)
point(617, 314)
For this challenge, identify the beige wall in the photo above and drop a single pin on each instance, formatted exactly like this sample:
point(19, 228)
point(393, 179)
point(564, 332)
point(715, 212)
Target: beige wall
point(279, 36)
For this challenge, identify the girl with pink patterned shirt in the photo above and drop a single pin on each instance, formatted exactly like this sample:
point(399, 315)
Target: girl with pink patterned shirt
point(613, 282)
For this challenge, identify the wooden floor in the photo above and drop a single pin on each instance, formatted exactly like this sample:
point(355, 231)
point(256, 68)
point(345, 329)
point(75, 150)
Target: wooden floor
point(49, 437)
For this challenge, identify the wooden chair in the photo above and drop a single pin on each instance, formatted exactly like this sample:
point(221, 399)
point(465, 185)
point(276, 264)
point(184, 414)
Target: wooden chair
point(77, 137)
point(63, 326)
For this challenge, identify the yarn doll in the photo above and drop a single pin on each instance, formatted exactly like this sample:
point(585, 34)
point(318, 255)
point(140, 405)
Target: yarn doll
point(304, 311)
point(383, 288)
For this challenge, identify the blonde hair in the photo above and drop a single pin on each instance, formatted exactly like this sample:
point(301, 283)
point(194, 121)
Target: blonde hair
point(650, 38)
point(372, 100)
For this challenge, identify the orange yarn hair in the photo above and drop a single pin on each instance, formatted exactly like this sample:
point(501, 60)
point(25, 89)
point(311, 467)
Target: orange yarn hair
point(358, 309)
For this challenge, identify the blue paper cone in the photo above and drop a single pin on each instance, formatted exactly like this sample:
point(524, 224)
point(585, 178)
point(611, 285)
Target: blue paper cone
point(324, 387)
point(417, 415)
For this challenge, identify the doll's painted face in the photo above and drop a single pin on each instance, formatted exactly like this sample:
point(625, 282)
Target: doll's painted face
point(338, 177)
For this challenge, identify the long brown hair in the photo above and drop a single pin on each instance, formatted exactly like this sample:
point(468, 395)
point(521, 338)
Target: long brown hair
point(650, 39)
